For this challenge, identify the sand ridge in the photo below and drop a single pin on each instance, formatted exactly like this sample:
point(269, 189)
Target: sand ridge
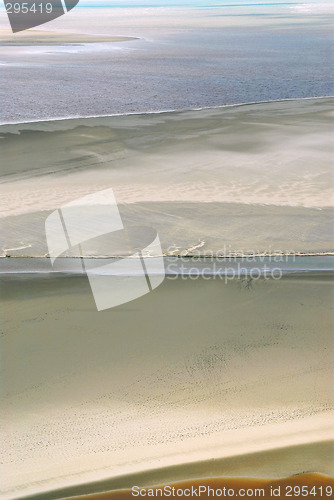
point(38, 37)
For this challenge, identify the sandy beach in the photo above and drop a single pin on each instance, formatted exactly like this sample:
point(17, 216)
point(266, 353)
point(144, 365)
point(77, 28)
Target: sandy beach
point(166, 249)
point(90, 396)
point(261, 177)
point(201, 378)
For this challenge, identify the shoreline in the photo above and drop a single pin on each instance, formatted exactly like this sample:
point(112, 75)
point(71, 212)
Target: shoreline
point(141, 113)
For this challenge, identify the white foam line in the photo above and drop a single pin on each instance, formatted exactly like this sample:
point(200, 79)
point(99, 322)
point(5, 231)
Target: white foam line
point(16, 248)
point(242, 273)
point(140, 113)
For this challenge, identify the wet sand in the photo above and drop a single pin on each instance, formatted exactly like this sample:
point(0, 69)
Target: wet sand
point(196, 370)
point(37, 37)
point(235, 377)
point(254, 178)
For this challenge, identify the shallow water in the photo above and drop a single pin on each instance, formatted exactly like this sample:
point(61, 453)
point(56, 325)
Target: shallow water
point(187, 57)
